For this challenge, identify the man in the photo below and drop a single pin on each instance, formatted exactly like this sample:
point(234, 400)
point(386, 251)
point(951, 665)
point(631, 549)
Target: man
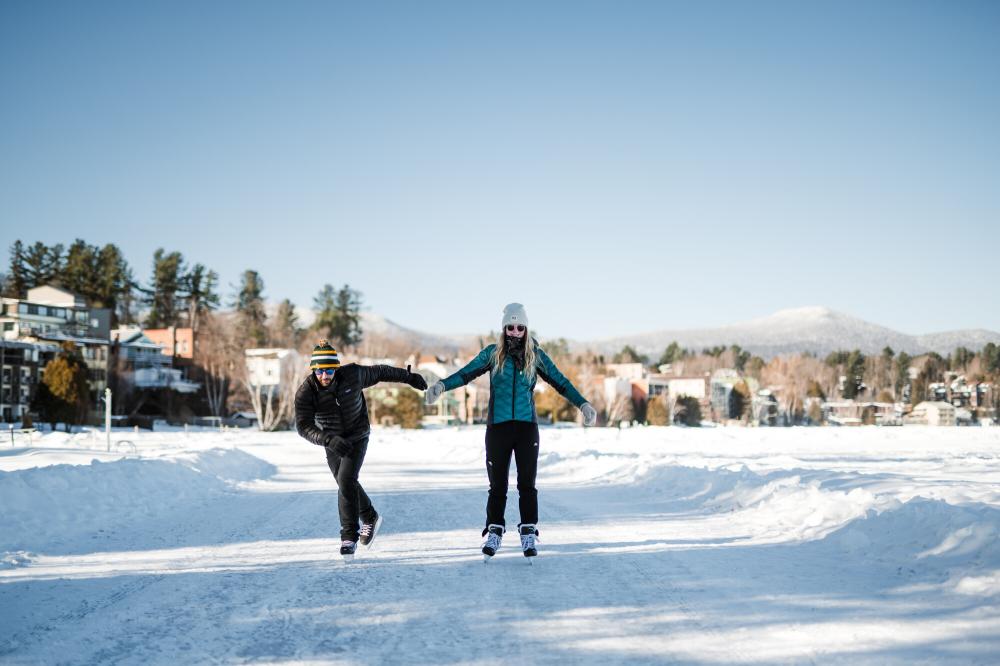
point(330, 411)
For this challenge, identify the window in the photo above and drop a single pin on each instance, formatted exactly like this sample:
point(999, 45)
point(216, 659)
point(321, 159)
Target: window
point(8, 326)
point(81, 316)
point(22, 308)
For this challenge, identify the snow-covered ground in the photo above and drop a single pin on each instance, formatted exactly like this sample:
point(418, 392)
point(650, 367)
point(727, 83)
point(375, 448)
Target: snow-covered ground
point(658, 545)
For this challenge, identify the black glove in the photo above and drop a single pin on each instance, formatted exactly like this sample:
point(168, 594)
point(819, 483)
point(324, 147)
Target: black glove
point(415, 380)
point(339, 445)
point(342, 447)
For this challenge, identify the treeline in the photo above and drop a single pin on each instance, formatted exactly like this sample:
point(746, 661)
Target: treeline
point(177, 293)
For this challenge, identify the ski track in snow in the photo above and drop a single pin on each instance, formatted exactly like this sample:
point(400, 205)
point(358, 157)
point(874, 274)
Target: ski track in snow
point(657, 546)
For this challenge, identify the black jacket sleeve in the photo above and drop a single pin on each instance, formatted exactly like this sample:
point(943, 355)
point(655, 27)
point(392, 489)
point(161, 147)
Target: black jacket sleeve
point(305, 414)
point(369, 375)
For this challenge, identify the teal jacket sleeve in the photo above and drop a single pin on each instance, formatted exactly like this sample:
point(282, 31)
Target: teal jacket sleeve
point(475, 367)
point(548, 371)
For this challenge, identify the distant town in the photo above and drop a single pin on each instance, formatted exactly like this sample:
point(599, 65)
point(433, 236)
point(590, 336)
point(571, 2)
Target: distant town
point(84, 341)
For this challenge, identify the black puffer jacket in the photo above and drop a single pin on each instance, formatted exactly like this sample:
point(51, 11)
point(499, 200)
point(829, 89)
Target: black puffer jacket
point(340, 408)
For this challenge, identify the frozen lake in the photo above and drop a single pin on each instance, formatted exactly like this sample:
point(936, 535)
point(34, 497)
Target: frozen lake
point(660, 545)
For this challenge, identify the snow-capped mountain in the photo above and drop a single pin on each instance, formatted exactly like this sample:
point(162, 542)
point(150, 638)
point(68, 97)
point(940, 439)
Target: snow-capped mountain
point(814, 329)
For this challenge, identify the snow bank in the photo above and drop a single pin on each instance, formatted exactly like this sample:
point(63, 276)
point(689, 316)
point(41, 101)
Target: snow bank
point(923, 533)
point(62, 504)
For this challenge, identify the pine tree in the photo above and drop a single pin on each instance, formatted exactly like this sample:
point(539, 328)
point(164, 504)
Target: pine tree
point(338, 315)
point(687, 410)
point(80, 271)
point(250, 308)
point(162, 296)
point(198, 287)
point(114, 284)
point(17, 283)
point(285, 329)
point(671, 354)
point(42, 264)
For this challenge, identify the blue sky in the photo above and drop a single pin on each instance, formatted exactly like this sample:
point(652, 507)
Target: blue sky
point(617, 167)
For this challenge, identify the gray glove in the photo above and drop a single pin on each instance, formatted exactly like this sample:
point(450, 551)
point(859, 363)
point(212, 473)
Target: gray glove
point(589, 414)
point(433, 393)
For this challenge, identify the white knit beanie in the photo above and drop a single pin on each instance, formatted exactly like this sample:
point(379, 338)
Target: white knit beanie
point(514, 313)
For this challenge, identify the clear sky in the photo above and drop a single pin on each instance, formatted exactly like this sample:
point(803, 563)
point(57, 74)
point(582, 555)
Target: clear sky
point(617, 167)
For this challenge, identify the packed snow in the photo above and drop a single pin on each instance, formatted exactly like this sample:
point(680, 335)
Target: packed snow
point(659, 545)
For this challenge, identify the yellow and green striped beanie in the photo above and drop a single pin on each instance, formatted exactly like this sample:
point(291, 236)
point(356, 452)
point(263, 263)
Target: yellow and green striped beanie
point(324, 356)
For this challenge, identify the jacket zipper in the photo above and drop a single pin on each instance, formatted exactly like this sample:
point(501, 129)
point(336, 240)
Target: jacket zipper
point(513, 388)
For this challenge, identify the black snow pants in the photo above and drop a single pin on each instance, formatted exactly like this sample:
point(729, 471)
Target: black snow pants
point(352, 500)
point(519, 438)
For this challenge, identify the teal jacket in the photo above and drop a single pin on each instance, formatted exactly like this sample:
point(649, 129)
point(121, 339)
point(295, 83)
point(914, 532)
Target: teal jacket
point(512, 398)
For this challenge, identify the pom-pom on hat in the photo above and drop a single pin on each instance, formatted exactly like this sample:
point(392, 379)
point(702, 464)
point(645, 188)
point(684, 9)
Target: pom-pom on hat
point(324, 356)
point(514, 313)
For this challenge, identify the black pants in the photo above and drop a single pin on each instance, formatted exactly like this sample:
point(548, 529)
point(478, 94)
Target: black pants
point(352, 500)
point(503, 439)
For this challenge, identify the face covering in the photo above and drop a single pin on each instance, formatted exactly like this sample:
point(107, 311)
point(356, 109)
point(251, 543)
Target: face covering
point(515, 347)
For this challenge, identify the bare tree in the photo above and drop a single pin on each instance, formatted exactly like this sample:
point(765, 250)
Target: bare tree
point(220, 359)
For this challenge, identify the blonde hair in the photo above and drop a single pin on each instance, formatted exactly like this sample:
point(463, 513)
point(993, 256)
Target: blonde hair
point(530, 358)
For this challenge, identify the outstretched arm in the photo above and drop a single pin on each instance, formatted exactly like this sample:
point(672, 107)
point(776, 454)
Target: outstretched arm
point(369, 375)
point(472, 369)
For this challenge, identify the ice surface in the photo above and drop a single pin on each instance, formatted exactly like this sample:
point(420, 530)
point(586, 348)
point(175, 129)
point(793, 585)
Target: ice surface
point(660, 545)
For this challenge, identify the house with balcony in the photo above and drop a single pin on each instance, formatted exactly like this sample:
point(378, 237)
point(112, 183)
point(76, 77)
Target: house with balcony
point(21, 366)
point(52, 315)
point(142, 365)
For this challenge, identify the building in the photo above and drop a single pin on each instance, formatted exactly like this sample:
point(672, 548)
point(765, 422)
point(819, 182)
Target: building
point(21, 365)
point(177, 343)
point(52, 315)
point(723, 401)
point(933, 414)
point(271, 368)
point(141, 363)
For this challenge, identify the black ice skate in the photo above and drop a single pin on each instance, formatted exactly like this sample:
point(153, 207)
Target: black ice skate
point(369, 530)
point(529, 536)
point(347, 549)
point(494, 535)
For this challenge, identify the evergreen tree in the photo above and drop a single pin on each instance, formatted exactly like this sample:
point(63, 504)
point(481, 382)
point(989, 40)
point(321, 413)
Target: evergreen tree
point(80, 271)
point(162, 296)
point(854, 370)
point(285, 329)
point(42, 264)
point(903, 362)
point(671, 354)
point(338, 315)
point(64, 390)
point(961, 358)
point(17, 281)
point(991, 358)
point(630, 355)
point(250, 308)
point(114, 284)
point(199, 286)
point(687, 410)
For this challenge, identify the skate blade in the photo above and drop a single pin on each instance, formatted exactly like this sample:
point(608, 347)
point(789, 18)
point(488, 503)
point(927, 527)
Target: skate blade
point(486, 558)
point(348, 558)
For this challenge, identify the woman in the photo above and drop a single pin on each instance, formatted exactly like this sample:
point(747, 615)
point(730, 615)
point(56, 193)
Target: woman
point(514, 363)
